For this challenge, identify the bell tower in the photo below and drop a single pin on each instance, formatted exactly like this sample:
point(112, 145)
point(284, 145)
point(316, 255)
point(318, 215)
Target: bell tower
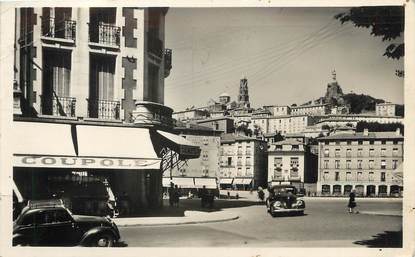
point(243, 98)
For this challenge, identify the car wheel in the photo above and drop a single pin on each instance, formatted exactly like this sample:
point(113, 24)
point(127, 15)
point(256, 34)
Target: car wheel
point(271, 211)
point(103, 240)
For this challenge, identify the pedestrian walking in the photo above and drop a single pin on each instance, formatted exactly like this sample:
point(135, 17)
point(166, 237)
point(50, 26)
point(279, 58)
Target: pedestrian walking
point(176, 196)
point(171, 195)
point(352, 201)
point(203, 196)
point(229, 194)
point(261, 194)
point(237, 196)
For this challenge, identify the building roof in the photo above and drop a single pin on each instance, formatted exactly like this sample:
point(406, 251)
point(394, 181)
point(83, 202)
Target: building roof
point(230, 137)
point(214, 119)
point(289, 141)
point(360, 135)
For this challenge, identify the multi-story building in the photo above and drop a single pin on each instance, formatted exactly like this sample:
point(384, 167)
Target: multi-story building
point(89, 102)
point(224, 124)
point(284, 124)
point(317, 109)
point(203, 171)
point(278, 110)
point(243, 161)
point(387, 109)
point(291, 162)
point(191, 114)
point(367, 162)
point(344, 120)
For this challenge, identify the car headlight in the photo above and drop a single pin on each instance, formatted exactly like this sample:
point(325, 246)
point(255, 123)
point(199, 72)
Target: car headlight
point(300, 204)
point(277, 204)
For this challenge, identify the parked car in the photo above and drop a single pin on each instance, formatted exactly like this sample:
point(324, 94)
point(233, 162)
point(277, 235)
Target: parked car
point(283, 199)
point(50, 223)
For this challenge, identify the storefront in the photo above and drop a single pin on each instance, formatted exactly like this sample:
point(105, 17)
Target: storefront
point(84, 161)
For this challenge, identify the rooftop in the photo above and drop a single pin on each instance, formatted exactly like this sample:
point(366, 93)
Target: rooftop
point(228, 138)
point(360, 135)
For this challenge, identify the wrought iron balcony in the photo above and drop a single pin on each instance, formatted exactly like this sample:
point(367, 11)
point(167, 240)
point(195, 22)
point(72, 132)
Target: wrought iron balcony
point(58, 106)
point(167, 62)
point(52, 28)
point(104, 109)
point(151, 114)
point(104, 34)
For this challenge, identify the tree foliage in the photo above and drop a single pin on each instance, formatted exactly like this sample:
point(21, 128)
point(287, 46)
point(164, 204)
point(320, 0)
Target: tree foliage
point(386, 22)
point(359, 103)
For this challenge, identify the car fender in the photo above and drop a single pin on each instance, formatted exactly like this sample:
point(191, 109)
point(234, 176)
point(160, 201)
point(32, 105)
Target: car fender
point(17, 239)
point(95, 231)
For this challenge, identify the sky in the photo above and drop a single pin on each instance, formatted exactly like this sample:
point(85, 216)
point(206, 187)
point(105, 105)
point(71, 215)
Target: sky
point(287, 55)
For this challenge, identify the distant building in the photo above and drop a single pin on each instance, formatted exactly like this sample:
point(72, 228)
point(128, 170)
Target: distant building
point(291, 162)
point(284, 124)
point(352, 119)
point(243, 98)
point(243, 162)
point(278, 110)
point(387, 109)
point(367, 162)
point(224, 98)
point(223, 124)
point(317, 109)
point(191, 114)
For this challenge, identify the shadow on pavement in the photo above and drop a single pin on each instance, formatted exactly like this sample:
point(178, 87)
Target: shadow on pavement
point(387, 239)
point(195, 205)
point(121, 244)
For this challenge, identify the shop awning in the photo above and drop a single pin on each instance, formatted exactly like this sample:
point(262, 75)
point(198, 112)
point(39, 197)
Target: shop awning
point(184, 182)
point(238, 181)
point(247, 181)
point(226, 180)
point(182, 146)
point(50, 145)
point(209, 183)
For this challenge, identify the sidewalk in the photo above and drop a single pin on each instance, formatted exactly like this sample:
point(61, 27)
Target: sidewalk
point(396, 213)
point(189, 212)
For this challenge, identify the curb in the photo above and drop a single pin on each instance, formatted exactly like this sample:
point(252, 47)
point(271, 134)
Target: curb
point(380, 214)
point(176, 223)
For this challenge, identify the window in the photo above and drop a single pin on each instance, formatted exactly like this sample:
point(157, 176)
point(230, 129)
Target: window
point(383, 176)
point(359, 176)
point(371, 142)
point(326, 152)
point(360, 142)
point(383, 152)
point(294, 147)
point(348, 176)
point(348, 164)
point(371, 152)
point(326, 164)
point(383, 164)
point(359, 164)
point(360, 152)
point(371, 164)
point(395, 152)
point(348, 152)
point(248, 161)
point(349, 142)
point(294, 162)
point(229, 161)
point(337, 142)
point(248, 171)
point(337, 153)
point(326, 175)
point(239, 173)
point(337, 176)
point(371, 178)
point(277, 161)
point(337, 164)
point(248, 149)
point(239, 162)
point(394, 164)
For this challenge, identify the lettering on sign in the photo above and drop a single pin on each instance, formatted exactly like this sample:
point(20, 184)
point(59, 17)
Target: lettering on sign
point(84, 162)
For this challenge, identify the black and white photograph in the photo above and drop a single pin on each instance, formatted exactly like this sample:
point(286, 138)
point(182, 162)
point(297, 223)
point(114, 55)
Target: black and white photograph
point(222, 127)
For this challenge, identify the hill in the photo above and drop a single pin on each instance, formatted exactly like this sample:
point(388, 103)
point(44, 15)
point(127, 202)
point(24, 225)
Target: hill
point(359, 103)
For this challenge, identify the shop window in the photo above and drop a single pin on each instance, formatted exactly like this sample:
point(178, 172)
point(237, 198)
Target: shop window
point(325, 189)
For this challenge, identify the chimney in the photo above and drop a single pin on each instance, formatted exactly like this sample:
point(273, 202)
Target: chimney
point(366, 132)
point(398, 132)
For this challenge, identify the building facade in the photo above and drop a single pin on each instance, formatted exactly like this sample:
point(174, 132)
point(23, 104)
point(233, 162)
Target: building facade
point(369, 162)
point(284, 124)
point(243, 161)
point(224, 124)
point(291, 162)
point(89, 101)
point(386, 109)
point(318, 109)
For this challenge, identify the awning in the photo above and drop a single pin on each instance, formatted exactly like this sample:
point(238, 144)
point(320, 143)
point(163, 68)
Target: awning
point(242, 181)
point(226, 180)
point(209, 183)
point(48, 145)
point(185, 148)
point(184, 182)
point(238, 181)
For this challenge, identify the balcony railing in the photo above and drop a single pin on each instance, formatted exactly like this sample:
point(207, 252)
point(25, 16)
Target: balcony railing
point(58, 106)
point(104, 109)
point(150, 113)
point(65, 29)
point(104, 34)
point(155, 46)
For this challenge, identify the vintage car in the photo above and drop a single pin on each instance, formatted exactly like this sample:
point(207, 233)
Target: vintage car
point(283, 200)
point(50, 223)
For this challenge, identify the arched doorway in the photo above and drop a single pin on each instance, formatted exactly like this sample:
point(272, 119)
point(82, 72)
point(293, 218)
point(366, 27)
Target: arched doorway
point(325, 189)
point(359, 190)
point(337, 190)
point(370, 190)
point(347, 189)
point(383, 190)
